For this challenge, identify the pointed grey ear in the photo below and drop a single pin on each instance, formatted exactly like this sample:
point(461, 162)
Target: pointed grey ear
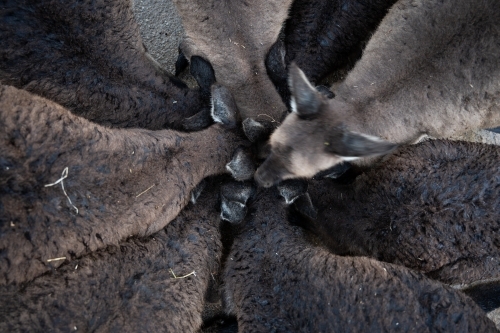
point(352, 145)
point(242, 166)
point(292, 189)
point(224, 109)
point(257, 130)
point(305, 101)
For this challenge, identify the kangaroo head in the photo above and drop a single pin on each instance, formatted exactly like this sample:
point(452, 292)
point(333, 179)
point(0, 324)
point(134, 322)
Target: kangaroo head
point(314, 137)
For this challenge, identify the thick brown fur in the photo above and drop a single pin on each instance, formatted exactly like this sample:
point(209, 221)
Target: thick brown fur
point(127, 287)
point(124, 182)
point(276, 281)
point(88, 56)
point(430, 68)
point(235, 36)
point(432, 207)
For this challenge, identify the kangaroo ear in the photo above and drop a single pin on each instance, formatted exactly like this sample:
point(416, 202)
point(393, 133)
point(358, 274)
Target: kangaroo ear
point(352, 145)
point(224, 109)
point(203, 73)
point(305, 100)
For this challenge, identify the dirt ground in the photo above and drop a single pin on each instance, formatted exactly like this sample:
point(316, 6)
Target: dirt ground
point(161, 29)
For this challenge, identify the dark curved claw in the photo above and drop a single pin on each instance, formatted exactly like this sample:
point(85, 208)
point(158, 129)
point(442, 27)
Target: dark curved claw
point(335, 171)
point(203, 73)
point(277, 71)
point(494, 130)
point(486, 295)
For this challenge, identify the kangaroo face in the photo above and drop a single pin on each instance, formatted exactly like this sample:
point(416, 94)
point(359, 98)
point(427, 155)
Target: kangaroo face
point(297, 150)
point(314, 136)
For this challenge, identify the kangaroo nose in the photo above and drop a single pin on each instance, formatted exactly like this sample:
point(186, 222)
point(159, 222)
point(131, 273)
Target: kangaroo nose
point(270, 172)
point(265, 178)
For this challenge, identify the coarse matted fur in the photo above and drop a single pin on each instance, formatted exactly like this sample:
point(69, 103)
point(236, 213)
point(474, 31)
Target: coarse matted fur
point(432, 67)
point(124, 182)
point(276, 281)
point(88, 56)
point(433, 207)
point(235, 36)
point(128, 287)
point(321, 35)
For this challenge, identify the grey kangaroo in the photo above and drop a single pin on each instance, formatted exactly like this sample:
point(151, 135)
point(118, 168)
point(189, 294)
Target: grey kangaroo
point(431, 68)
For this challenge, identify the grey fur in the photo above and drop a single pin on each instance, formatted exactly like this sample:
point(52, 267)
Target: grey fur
point(237, 191)
point(432, 67)
point(257, 131)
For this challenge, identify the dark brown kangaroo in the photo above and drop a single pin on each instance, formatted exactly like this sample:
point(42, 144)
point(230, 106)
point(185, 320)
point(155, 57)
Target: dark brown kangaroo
point(88, 56)
point(276, 281)
point(70, 187)
point(431, 68)
point(152, 284)
point(432, 207)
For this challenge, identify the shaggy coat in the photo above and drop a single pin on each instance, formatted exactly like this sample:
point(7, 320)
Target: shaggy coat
point(276, 281)
point(433, 207)
point(119, 182)
point(128, 287)
point(88, 56)
point(431, 68)
point(234, 37)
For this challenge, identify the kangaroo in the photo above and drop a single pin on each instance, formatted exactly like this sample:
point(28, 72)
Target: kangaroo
point(431, 68)
point(233, 37)
point(70, 187)
point(275, 280)
point(156, 283)
point(88, 56)
point(432, 207)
